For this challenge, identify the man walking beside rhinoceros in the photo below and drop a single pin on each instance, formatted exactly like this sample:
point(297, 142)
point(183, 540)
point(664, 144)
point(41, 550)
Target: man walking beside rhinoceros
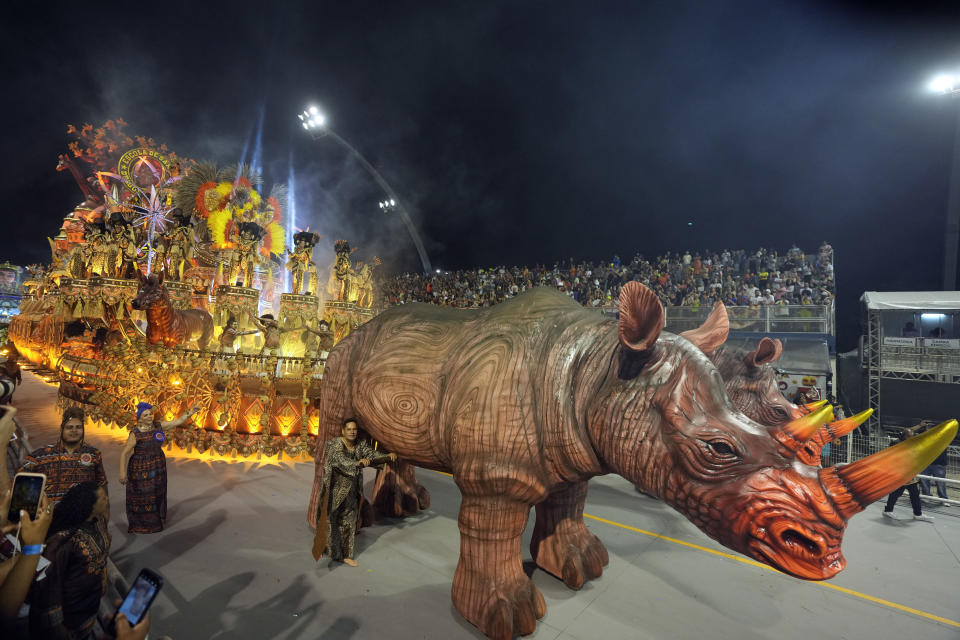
point(525, 401)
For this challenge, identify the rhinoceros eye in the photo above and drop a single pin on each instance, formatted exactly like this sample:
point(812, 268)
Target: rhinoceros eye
point(722, 448)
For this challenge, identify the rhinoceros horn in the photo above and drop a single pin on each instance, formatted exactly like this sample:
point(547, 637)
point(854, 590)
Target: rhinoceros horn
point(840, 428)
point(812, 406)
point(811, 451)
point(795, 433)
point(712, 333)
point(767, 351)
point(854, 486)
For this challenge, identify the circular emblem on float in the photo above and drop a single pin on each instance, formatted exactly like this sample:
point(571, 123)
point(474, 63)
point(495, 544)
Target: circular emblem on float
point(144, 168)
point(159, 436)
point(782, 385)
point(86, 459)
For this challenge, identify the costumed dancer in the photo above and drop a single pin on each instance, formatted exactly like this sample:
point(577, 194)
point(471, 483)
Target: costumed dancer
point(143, 468)
point(341, 495)
point(316, 340)
point(228, 339)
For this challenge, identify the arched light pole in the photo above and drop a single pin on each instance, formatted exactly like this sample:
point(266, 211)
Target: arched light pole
point(949, 85)
point(316, 123)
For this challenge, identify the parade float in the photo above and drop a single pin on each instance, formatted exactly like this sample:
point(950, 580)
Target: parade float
point(166, 285)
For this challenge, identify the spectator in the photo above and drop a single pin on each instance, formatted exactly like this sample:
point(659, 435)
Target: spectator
point(671, 277)
point(9, 373)
point(937, 469)
point(910, 487)
point(909, 331)
point(68, 462)
point(8, 427)
point(65, 598)
point(17, 571)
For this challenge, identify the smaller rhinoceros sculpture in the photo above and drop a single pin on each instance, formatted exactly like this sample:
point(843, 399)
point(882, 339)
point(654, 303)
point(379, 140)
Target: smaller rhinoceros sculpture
point(751, 384)
point(525, 401)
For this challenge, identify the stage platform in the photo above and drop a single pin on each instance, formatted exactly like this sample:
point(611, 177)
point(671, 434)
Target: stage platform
point(237, 563)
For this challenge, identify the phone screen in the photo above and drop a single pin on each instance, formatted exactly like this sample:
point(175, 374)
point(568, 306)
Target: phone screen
point(27, 490)
point(141, 596)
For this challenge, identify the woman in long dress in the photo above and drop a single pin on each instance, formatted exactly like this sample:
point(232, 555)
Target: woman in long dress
point(143, 468)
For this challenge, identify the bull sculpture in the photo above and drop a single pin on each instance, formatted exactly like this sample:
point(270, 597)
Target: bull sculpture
point(165, 324)
point(525, 401)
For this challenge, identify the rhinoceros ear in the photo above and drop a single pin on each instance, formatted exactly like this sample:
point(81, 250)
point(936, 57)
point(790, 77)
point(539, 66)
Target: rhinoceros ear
point(767, 351)
point(160, 275)
point(712, 333)
point(641, 318)
point(141, 279)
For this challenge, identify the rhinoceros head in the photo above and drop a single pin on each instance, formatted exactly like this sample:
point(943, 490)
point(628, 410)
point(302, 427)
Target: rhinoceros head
point(751, 384)
point(751, 381)
point(671, 428)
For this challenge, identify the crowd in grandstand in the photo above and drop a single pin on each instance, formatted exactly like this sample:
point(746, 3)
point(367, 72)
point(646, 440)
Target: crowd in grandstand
point(736, 278)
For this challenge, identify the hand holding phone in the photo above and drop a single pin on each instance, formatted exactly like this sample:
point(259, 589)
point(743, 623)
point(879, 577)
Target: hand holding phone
point(27, 492)
point(138, 600)
point(34, 530)
point(8, 428)
point(136, 632)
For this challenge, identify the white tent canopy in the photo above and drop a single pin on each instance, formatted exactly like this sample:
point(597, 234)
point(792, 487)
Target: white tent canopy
point(912, 300)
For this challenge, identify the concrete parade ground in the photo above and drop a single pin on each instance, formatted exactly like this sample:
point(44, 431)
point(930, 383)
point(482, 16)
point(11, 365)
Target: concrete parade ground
point(235, 555)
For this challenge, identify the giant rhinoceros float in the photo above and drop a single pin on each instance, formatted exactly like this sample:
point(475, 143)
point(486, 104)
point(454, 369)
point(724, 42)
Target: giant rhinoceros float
point(525, 401)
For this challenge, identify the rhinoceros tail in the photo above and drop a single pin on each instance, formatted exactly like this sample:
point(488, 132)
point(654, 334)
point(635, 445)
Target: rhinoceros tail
point(336, 405)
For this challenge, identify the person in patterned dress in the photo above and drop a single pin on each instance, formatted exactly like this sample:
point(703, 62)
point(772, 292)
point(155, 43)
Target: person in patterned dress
point(342, 489)
point(68, 462)
point(65, 597)
point(143, 469)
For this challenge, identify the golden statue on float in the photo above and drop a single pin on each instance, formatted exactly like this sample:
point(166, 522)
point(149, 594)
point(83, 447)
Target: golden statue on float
point(301, 266)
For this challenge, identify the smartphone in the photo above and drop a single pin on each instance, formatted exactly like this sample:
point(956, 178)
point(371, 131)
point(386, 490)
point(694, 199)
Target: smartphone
point(141, 595)
point(27, 489)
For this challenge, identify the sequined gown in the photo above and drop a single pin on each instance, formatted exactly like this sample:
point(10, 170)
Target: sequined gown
point(147, 482)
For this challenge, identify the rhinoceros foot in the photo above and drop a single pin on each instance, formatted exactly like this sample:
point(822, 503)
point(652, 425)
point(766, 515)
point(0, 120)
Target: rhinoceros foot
point(490, 588)
point(397, 492)
point(561, 543)
point(574, 555)
point(501, 606)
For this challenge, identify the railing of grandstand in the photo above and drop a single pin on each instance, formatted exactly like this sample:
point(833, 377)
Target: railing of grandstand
point(921, 359)
point(766, 319)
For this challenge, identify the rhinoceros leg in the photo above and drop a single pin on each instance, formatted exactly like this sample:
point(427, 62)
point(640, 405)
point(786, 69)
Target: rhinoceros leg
point(561, 543)
point(490, 588)
point(397, 492)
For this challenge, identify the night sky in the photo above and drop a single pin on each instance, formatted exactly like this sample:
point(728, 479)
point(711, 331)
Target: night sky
point(521, 132)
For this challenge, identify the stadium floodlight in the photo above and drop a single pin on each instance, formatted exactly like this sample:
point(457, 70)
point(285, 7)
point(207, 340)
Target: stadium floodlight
point(316, 123)
point(944, 83)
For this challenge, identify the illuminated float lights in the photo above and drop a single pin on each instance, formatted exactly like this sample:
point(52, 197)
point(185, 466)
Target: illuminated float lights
point(192, 443)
